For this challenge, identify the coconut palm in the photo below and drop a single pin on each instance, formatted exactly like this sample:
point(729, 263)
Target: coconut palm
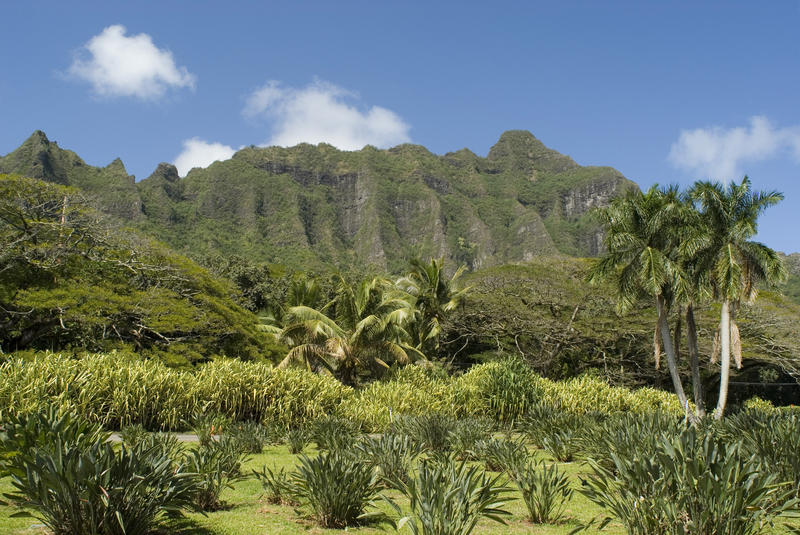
point(302, 291)
point(362, 330)
point(733, 264)
point(642, 239)
point(434, 296)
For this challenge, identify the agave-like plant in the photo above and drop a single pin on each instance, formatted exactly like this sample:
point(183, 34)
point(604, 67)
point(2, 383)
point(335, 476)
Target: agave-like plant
point(466, 433)
point(448, 498)
point(218, 465)
point(773, 437)
point(694, 482)
point(545, 491)
point(338, 487)
point(333, 433)
point(77, 483)
point(297, 440)
point(502, 454)
point(279, 485)
point(432, 432)
point(391, 454)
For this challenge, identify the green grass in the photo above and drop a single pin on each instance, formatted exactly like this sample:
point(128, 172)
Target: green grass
point(247, 513)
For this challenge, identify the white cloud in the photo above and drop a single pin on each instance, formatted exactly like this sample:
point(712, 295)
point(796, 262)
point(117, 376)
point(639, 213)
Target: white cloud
point(199, 153)
point(128, 66)
point(718, 153)
point(324, 113)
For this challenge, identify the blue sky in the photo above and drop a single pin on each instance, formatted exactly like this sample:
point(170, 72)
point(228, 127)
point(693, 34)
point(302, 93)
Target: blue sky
point(665, 92)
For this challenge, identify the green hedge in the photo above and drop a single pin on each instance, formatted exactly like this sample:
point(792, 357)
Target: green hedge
point(117, 390)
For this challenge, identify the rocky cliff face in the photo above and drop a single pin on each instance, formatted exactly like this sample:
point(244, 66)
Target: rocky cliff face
point(312, 206)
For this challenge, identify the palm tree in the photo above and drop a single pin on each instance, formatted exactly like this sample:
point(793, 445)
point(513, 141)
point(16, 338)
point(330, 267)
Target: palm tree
point(364, 332)
point(302, 291)
point(694, 235)
point(434, 296)
point(642, 239)
point(732, 263)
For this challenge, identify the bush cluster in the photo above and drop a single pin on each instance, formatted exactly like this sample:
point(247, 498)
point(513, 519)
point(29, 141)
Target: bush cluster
point(117, 391)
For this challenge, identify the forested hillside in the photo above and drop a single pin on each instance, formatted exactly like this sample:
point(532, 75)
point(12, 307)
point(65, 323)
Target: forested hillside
point(71, 279)
point(316, 206)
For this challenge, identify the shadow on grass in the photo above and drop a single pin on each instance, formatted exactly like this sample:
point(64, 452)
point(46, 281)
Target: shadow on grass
point(185, 526)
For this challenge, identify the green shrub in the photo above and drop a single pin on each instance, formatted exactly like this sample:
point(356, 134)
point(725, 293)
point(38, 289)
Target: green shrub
point(333, 433)
point(758, 404)
point(218, 465)
point(410, 392)
point(279, 485)
point(117, 390)
point(447, 498)
point(502, 391)
point(501, 454)
point(690, 483)
point(391, 454)
point(563, 445)
point(165, 444)
point(628, 432)
point(297, 440)
point(466, 432)
point(545, 491)
point(542, 421)
point(338, 487)
point(431, 432)
point(208, 427)
point(249, 437)
point(773, 437)
point(24, 435)
point(79, 485)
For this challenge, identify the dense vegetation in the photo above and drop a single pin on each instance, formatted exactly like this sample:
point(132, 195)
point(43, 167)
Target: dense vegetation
point(70, 278)
point(119, 390)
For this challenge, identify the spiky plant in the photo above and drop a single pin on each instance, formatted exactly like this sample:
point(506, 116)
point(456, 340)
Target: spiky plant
point(279, 485)
point(502, 454)
point(448, 498)
point(391, 454)
point(545, 491)
point(297, 440)
point(338, 487)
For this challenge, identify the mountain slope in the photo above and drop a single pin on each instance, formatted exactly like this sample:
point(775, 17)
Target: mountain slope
point(315, 206)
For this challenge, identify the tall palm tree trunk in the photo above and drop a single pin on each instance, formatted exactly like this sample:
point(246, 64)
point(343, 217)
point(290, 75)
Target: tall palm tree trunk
point(694, 362)
point(672, 364)
point(725, 357)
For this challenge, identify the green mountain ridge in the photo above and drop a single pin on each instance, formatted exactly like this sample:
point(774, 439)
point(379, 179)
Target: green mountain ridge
point(316, 206)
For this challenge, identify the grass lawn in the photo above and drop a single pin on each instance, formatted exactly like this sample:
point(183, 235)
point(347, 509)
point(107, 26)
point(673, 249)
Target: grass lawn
point(248, 514)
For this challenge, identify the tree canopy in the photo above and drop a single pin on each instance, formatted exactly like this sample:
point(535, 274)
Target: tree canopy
point(71, 278)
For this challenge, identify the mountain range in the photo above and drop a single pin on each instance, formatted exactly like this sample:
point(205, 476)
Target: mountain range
point(310, 207)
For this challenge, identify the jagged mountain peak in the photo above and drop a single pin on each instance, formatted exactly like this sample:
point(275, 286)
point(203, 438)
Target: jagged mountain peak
point(311, 206)
point(521, 151)
point(167, 171)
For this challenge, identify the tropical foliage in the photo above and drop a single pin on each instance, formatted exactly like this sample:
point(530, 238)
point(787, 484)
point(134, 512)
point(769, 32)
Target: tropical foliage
point(679, 249)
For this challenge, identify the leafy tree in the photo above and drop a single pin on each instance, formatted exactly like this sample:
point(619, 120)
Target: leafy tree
point(70, 279)
point(434, 296)
point(362, 330)
point(733, 264)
